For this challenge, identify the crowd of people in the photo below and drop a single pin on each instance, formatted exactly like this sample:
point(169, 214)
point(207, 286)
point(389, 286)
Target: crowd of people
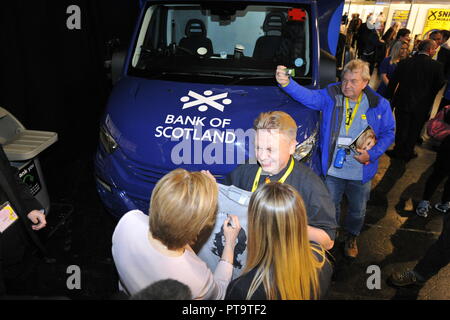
point(294, 215)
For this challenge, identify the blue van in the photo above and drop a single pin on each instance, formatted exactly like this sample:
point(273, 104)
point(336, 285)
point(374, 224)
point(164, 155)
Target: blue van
point(196, 75)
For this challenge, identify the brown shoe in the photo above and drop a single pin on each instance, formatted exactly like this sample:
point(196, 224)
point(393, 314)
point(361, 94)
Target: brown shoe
point(350, 247)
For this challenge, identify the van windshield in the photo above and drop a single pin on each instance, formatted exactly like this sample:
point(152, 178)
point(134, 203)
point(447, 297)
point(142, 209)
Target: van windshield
point(220, 42)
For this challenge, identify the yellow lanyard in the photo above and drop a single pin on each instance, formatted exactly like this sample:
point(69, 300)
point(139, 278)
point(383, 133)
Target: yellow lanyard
point(283, 178)
point(349, 117)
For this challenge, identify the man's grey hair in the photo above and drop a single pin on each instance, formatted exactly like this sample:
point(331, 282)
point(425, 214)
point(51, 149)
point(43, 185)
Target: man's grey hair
point(357, 64)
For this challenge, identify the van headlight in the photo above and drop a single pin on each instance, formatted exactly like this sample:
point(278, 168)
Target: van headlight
point(303, 149)
point(107, 141)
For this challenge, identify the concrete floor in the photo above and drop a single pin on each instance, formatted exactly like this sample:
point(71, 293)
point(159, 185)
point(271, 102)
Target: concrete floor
point(393, 237)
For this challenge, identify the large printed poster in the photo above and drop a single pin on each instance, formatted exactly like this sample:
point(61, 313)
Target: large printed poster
point(437, 19)
point(401, 16)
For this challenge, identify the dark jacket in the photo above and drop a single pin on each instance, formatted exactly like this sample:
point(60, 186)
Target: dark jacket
point(444, 58)
point(370, 46)
point(21, 200)
point(319, 206)
point(354, 25)
point(419, 79)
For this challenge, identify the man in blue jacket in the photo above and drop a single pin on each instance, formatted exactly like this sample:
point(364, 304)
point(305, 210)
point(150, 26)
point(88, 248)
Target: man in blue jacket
point(347, 108)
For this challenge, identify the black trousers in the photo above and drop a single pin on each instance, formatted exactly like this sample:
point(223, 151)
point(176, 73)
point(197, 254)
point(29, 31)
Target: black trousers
point(18, 261)
point(371, 60)
point(441, 171)
point(438, 255)
point(408, 128)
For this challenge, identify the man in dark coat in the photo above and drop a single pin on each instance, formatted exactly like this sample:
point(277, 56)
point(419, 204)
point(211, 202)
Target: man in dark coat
point(369, 44)
point(20, 215)
point(444, 58)
point(352, 29)
point(419, 79)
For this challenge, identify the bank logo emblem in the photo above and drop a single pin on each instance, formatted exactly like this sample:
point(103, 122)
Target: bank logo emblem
point(206, 100)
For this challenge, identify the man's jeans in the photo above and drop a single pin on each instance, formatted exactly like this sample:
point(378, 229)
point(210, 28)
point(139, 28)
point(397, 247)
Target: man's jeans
point(357, 194)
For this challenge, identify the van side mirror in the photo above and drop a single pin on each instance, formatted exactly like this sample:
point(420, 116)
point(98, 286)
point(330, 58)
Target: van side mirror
point(115, 58)
point(117, 62)
point(327, 69)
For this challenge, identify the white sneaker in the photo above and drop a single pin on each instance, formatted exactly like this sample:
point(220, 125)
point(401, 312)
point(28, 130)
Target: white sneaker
point(442, 206)
point(422, 208)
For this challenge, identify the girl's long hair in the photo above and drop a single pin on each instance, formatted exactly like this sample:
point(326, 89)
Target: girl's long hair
point(278, 245)
point(395, 52)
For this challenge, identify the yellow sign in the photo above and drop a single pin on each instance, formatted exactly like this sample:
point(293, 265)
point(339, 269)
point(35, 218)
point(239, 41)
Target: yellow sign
point(437, 19)
point(401, 16)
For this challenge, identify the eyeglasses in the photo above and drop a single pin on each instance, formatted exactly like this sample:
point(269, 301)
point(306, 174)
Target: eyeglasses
point(353, 81)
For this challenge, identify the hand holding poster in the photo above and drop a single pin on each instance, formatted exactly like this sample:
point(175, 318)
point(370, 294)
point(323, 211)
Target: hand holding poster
point(232, 200)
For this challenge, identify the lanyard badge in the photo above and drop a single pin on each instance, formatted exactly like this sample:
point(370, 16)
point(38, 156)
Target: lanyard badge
point(350, 113)
point(7, 216)
point(267, 180)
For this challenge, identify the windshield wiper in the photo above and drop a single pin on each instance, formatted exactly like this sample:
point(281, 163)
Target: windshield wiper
point(199, 74)
point(159, 73)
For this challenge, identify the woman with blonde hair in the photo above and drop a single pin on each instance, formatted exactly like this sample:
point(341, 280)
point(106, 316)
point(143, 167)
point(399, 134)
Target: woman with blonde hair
point(150, 248)
point(281, 262)
point(399, 51)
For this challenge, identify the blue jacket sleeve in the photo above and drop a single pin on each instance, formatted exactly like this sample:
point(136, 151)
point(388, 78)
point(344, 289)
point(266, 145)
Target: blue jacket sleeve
point(313, 99)
point(386, 133)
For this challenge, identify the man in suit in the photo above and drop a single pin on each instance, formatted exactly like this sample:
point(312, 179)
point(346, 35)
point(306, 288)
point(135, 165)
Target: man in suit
point(444, 58)
point(20, 215)
point(413, 88)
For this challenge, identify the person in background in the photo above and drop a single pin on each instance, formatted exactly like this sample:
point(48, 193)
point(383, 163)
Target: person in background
point(403, 35)
point(416, 42)
point(352, 30)
point(347, 109)
point(344, 19)
point(387, 67)
point(413, 88)
point(436, 35)
point(443, 55)
point(156, 247)
point(438, 255)
point(444, 58)
point(441, 172)
point(167, 289)
point(20, 216)
point(370, 46)
point(389, 36)
point(379, 24)
point(282, 264)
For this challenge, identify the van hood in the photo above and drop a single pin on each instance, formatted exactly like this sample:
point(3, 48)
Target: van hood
point(191, 125)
